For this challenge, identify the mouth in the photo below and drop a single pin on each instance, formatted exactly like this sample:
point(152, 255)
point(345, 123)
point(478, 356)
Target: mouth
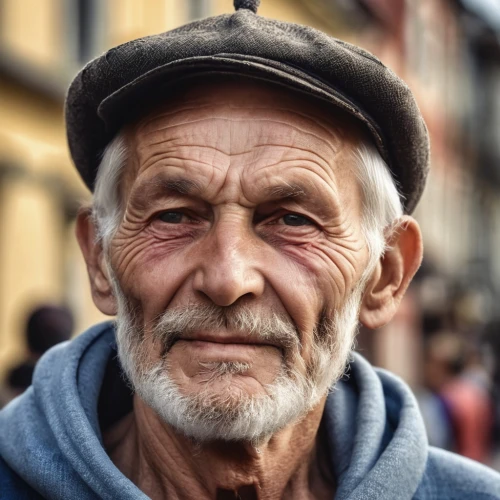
point(224, 339)
point(224, 345)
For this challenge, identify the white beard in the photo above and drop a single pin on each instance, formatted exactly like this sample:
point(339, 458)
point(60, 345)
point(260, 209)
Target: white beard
point(208, 415)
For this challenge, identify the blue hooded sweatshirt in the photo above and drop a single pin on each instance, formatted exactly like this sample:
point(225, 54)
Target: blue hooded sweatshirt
point(51, 441)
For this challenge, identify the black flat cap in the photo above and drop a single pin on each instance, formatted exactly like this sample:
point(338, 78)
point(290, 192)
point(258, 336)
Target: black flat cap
point(102, 95)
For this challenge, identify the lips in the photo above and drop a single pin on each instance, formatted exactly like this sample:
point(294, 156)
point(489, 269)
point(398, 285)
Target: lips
point(219, 342)
point(226, 348)
point(226, 339)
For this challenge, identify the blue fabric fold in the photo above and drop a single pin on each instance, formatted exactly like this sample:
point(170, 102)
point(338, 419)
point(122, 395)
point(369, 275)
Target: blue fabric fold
point(51, 443)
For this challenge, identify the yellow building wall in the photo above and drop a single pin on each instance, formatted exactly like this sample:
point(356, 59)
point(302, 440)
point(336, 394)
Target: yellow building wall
point(31, 30)
point(30, 250)
point(130, 19)
point(33, 238)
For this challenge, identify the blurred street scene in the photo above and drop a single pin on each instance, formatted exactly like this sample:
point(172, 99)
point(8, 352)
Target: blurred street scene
point(445, 340)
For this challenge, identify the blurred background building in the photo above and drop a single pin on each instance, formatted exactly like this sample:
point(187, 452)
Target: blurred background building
point(447, 50)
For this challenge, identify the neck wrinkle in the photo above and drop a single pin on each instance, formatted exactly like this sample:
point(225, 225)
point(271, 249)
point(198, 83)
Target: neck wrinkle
point(164, 464)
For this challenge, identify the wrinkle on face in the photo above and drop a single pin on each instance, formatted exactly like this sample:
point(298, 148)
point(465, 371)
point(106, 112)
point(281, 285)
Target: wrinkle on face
point(236, 158)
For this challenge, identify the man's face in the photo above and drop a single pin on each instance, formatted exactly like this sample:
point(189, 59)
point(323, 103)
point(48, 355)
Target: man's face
point(241, 205)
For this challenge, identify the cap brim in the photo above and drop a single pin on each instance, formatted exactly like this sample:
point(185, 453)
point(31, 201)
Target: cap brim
point(120, 106)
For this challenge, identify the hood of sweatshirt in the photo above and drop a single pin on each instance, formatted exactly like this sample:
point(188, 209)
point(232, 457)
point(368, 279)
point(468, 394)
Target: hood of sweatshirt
point(51, 436)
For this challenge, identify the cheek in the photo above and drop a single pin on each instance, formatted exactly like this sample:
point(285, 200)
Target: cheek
point(150, 271)
point(304, 279)
point(323, 271)
point(315, 278)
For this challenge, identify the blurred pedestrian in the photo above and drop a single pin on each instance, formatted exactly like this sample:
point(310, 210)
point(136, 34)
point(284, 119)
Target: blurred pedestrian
point(47, 326)
point(462, 387)
point(491, 336)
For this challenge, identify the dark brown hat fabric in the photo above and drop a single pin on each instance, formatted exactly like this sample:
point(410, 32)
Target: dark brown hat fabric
point(103, 95)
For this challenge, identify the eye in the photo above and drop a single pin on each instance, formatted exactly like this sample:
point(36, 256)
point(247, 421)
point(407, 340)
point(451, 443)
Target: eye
point(296, 220)
point(171, 217)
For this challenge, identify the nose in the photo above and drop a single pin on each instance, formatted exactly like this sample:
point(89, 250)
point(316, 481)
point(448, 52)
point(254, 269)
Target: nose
point(228, 268)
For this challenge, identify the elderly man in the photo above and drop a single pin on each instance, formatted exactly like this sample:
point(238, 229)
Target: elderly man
point(246, 216)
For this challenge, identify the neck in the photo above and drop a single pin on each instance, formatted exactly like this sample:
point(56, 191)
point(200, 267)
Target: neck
point(165, 464)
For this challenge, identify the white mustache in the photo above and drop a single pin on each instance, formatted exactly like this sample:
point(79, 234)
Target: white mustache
point(270, 327)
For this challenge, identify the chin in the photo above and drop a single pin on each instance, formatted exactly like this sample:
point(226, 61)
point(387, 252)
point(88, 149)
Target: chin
point(226, 380)
point(227, 388)
point(225, 410)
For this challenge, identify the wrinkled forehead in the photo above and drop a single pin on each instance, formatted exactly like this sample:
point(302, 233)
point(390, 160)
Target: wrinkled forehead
point(246, 97)
point(234, 116)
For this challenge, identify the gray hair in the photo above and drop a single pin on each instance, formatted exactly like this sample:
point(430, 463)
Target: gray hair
point(382, 206)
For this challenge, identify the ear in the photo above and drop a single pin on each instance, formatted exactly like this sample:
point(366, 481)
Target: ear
point(392, 275)
point(100, 283)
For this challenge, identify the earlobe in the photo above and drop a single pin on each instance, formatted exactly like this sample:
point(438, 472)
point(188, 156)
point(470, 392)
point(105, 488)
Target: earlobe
point(102, 291)
point(392, 274)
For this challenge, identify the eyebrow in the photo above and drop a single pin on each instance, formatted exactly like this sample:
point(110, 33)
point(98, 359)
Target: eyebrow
point(302, 194)
point(160, 184)
point(179, 185)
point(287, 191)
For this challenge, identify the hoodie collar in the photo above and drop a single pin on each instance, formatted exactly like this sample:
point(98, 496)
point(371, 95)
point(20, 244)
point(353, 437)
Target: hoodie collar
point(375, 434)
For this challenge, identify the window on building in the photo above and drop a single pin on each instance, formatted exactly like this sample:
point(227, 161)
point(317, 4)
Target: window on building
point(85, 29)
